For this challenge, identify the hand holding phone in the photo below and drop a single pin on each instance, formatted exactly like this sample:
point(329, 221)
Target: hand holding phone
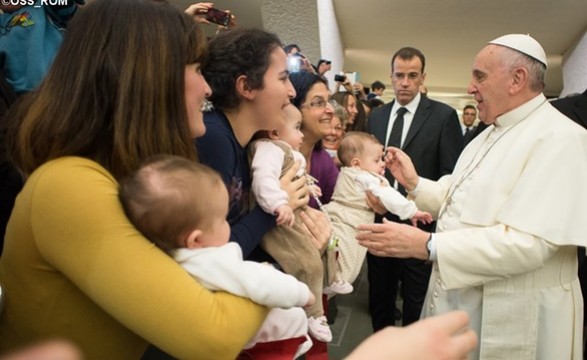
point(218, 16)
point(199, 10)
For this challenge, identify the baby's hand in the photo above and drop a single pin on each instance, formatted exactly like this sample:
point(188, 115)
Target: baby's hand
point(421, 216)
point(285, 215)
point(315, 190)
point(311, 300)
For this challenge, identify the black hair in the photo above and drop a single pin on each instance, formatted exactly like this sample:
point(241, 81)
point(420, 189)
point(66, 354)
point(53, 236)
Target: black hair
point(407, 53)
point(302, 82)
point(288, 48)
point(233, 53)
point(377, 85)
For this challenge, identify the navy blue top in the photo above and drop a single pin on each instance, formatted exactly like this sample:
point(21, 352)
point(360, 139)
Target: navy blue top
point(220, 150)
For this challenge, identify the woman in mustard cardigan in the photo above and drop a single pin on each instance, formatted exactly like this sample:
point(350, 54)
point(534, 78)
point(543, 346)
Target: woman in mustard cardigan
point(125, 85)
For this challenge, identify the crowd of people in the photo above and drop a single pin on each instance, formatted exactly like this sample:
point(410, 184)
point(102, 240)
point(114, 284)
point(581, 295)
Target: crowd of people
point(196, 198)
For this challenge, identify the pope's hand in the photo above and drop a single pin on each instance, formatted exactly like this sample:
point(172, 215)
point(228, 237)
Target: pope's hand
point(394, 239)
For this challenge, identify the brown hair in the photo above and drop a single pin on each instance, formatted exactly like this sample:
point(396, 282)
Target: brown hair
point(352, 145)
point(115, 93)
point(342, 98)
point(168, 197)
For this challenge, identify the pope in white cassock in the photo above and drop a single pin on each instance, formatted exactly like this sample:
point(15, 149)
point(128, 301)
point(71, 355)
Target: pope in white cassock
point(510, 217)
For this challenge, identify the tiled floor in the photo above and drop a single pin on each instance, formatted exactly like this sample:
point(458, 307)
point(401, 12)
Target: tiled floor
point(353, 323)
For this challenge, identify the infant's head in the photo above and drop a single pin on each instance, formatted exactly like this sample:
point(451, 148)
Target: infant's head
point(177, 203)
point(289, 131)
point(361, 150)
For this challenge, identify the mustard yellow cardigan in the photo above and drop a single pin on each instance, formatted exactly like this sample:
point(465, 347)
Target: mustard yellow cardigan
point(74, 267)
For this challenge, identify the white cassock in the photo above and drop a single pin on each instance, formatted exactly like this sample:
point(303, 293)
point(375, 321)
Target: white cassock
point(509, 220)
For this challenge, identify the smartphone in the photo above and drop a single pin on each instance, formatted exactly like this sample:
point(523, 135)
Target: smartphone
point(218, 16)
point(339, 78)
point(293, 63)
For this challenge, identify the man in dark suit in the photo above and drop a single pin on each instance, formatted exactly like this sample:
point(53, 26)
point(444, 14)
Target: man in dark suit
point(469, 116)
point(430, 133)
point(574, 107)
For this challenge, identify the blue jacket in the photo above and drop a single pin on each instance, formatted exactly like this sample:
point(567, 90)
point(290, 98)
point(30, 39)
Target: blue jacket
point(29, 40)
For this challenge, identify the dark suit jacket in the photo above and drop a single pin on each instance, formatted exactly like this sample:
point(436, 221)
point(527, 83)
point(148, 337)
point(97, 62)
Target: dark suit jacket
point(469, 135)
point(574, 107)
point(434, 140)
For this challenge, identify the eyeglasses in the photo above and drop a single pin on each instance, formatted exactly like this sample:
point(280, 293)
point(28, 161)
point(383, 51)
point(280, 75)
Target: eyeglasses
point(320, 103)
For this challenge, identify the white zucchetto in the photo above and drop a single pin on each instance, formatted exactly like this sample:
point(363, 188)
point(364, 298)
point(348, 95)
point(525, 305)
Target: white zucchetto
point(524, 44)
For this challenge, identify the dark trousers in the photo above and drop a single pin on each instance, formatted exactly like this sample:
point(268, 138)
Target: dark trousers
point(384, 275)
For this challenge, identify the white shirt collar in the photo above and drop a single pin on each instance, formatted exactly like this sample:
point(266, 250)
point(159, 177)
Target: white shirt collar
point(520, 113)
point(412, 106)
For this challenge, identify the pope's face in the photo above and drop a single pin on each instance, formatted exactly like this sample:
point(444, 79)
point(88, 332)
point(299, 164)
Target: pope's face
point(490, 84)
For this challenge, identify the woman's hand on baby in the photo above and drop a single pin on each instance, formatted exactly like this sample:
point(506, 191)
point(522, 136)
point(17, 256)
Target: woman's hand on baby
point(296, 189)
point(285, 215)
point(421, 216)
point(317, 226)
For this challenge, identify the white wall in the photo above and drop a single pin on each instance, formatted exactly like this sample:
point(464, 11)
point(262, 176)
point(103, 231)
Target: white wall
point(312, 25)
point(331, 47)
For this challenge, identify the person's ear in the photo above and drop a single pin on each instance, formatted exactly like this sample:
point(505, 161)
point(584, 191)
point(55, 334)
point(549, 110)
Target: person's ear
point(519, 80)
point(192, 240)
point(273, 134)
point(355, 162)
point(243, 88)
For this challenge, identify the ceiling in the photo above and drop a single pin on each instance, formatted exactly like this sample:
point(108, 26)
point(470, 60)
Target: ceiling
point(449, 33)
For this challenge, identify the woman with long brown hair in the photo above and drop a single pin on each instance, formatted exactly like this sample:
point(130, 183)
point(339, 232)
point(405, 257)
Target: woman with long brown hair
point(125, 85)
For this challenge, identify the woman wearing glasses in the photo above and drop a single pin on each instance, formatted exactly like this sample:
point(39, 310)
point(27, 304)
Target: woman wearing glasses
point(313, 100)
